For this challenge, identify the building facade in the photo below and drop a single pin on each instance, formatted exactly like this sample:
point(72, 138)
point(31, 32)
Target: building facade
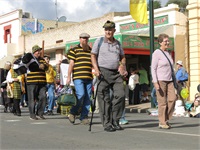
point(194, 45)
point(134, 38)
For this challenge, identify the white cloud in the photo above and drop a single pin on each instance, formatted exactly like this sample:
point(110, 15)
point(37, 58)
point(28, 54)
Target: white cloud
point(73, 10)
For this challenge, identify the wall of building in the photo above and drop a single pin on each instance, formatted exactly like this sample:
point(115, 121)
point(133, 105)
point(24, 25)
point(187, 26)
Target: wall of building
point(10, 19)
point(194, 45)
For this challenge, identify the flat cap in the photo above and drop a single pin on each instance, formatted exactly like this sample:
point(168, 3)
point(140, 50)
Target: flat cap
point(84, 35)
point(109, 24)
point(36, 48)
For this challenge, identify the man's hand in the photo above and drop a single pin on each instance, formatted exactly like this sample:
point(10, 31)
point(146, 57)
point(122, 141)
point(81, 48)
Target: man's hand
point(122, 70)
point(68, 81)
point(41, 66)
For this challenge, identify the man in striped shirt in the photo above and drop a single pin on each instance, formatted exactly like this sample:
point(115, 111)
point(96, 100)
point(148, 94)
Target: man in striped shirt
point(80, 67)
point(36, 82)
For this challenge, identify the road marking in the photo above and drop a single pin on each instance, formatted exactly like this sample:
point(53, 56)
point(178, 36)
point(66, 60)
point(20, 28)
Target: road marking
point(177, 133)
point(39, 123)
point(12, 120)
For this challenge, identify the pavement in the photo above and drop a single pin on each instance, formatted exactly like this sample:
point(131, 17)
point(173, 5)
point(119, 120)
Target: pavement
point(56, 132)
point(140, 108)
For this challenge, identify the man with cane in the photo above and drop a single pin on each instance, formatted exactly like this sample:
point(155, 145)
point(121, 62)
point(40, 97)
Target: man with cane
point(109, 62)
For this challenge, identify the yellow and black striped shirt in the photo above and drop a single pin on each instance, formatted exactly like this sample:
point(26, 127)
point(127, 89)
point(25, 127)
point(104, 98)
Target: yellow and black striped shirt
point(82, 62)
point(35, 74)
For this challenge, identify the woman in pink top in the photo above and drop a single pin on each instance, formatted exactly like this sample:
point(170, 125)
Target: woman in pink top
point(162, 80)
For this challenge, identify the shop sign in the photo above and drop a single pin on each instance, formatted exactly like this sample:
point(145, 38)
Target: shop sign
point(141, 42)
point(135, 26)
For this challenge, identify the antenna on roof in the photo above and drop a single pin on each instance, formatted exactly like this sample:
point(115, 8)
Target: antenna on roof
point(56, 14)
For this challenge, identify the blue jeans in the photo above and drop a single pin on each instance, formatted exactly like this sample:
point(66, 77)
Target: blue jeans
point(153, 95)
point(83, 89)
point(51, 95)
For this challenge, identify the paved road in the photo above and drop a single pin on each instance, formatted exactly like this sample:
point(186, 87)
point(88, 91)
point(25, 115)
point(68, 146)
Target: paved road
point(142, 133)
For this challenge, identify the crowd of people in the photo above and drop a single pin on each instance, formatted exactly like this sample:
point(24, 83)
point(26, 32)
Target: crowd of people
point(39, 87)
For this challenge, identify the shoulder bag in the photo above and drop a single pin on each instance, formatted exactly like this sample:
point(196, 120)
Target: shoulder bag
point(173, 74)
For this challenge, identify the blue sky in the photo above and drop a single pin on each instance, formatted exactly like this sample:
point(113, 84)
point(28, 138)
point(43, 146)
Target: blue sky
point(73, 10)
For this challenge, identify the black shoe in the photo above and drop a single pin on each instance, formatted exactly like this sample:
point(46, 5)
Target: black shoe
point(18, 114)
point(50, 113)
point(117, 126)
point(34, 118)
point(5, 110)
point(42, 117)
point(109, 129)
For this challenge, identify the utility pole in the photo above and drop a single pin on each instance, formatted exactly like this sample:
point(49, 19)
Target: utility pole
point(56, 14)
point(151, 20)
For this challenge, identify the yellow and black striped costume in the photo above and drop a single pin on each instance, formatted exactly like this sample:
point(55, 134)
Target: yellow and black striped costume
point(82, 62)
point(36, 75)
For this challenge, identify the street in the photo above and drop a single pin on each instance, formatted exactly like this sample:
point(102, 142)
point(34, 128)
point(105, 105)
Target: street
point(56, 132)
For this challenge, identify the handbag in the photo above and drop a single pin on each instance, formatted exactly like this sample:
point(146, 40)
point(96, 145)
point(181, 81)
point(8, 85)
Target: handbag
point(67, 97)
point(173, 74)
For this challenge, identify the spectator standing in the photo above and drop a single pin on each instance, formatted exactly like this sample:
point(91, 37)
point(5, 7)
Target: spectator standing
point(50, 78)
point(134, 87)
point(144, 82)
point(110, 64)
point(162, 80)
point(6, 101)
point(153, 95)
point(36, 82)
point(80, 67)
point(14, 82)
point(181, 77)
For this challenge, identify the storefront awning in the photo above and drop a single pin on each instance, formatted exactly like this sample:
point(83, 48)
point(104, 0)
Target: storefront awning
point(136, 41)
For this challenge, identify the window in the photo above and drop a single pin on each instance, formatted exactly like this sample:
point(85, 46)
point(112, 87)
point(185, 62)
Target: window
point(53, 55)
point(7, 34)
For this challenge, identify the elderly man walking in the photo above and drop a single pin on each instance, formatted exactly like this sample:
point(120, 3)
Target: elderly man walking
point(109, 62)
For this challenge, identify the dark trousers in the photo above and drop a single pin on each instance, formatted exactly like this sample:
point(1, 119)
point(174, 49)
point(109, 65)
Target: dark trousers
point(7, 102)
point(36, 93)
point(16, 106)
point(136, 95)
point(111, 109)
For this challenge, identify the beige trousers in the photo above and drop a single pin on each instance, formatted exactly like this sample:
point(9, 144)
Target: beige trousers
point(166, 98)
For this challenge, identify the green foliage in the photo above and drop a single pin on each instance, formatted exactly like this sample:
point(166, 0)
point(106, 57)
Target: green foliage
point(156, 4)
point(180, 3)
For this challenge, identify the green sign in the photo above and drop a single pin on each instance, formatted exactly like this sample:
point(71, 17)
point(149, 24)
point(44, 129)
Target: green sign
point(135, 26)
point(141, 42)
point(90, 42)
point(128, 41)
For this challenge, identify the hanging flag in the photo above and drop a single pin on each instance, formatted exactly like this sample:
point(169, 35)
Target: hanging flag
point(138, 11)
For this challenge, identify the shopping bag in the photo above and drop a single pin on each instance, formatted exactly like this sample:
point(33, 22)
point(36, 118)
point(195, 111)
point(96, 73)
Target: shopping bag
point(67, 97)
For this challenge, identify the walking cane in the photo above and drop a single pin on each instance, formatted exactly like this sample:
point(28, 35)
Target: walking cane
point(93, 105)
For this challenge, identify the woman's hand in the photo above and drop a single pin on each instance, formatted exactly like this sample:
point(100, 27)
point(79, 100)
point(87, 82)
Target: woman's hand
point(157, 86)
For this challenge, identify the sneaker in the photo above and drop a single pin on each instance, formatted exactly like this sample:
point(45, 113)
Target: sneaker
point(34, 118)
point(42, 117)
point(123, 121)
point(164, 126)
point(85, 121)
point(71, 118)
